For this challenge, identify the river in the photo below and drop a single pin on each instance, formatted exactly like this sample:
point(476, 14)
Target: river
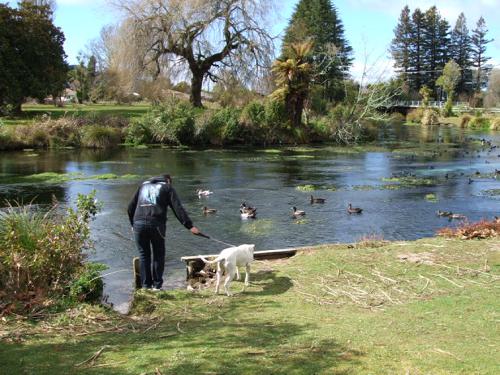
point(441, 160)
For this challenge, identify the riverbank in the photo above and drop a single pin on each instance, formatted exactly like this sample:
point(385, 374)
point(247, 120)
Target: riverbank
point(426, 306)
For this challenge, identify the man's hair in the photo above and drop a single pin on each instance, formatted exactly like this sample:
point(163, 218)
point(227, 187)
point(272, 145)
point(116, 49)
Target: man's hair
point(167, 178)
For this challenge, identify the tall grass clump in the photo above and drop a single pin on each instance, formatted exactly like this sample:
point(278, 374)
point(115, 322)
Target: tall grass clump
point(97, 136)
point(495, 124)
point(479, 122)
point(415, 115)
point(464, 121)
point(42, 256)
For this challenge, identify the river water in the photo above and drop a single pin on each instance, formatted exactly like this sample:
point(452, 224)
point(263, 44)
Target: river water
point(268, 179)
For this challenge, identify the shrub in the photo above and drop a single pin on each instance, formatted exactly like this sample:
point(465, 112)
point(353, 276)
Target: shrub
point(96, 136)
point(9, 140)
point(479, 122)
point(173, 122)
point(88, 286)
point(495, 124)
point(42, 253)
point(469, 231)
point(415, 115)
point(137, 133)
point(397, 118)
point(253, 118)
point(430, 117)
point(464, 121)
point(224, 126)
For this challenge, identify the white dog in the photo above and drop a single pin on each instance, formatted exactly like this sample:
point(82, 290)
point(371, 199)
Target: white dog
point(231, 258)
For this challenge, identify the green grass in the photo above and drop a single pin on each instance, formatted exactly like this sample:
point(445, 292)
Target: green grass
point(332, 310)
point(33, 111)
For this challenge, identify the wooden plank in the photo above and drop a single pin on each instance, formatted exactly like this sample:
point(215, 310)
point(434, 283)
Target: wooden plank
point(263, 254)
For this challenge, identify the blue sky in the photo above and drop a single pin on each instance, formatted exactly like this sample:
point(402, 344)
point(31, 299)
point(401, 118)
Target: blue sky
point(368, 24)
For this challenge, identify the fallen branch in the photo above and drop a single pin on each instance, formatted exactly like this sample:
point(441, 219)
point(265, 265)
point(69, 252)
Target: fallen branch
point(93, 358)
point(450, 281)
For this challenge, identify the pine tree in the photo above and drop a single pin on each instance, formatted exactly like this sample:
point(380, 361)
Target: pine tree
point(436, 44)
point(479, 59)
point(401, 45)
point(461, 53)
point(317, 21)
point(417, 56)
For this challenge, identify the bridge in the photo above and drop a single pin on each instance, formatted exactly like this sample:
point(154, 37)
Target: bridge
point(458, 107)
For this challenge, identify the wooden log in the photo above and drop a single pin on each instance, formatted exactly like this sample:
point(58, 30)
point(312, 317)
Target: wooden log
point(136, 266)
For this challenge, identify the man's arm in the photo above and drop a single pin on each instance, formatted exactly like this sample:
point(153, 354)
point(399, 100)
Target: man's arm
point(179, 211)
point(132, 206)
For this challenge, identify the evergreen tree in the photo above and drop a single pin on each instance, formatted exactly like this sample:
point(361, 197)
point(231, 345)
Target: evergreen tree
point(402, 44)
point(317, 21)
point(461, 53)
point(417, 56)
point(436, 44)
point(479, 59)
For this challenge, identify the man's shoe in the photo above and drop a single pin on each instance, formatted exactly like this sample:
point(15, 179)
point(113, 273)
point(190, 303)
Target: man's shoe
point(156, 289)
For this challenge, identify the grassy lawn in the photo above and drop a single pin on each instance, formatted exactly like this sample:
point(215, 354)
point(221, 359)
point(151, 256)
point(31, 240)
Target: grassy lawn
point(424, 307)
point(34, 111)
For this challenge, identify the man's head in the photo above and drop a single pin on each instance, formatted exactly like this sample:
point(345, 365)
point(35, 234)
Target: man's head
point(168, 179)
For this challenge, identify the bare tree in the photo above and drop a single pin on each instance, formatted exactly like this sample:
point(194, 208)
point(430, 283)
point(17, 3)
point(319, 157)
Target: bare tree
point(204, 36)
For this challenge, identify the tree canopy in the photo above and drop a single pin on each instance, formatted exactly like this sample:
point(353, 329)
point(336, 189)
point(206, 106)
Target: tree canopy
point(206, 36)
point(32, 58)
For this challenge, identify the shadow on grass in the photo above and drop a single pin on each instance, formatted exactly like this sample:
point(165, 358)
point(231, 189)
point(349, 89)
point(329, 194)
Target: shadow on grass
point(208, 347)
point(270, 283)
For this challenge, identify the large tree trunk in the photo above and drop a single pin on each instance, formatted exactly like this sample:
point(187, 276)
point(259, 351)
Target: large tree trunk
point(196, 83)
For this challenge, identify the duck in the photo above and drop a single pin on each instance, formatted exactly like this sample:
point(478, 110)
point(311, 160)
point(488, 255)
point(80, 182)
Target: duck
point(203, 193)
point(207, 210)
point(247, 212)
point(457, 217)
point(297, 213)
point(317, 200)
point(444, 213)
point(354, 210)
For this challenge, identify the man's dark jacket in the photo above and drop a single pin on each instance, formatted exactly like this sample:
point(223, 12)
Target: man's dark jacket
point(150, 202)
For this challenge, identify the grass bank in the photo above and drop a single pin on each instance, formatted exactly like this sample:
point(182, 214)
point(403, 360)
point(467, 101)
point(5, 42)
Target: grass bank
point(428, 306)
point(32, 112)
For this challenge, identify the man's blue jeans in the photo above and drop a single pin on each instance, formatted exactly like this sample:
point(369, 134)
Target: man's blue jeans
point(149, 236)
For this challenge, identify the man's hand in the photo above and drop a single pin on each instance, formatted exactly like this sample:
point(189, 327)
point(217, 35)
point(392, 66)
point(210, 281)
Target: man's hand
point(195, 230)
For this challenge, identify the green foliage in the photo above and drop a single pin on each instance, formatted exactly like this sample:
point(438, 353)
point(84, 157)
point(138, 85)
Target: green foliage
point(88, 284)
point(96, 136)
point(495, 123)
point(42, 253)
point(173, 122)
point(331, 55)
point(138, 133)
point(425, 92)
point(479, 122)
point(448, 81)
point(32, 55)
point(430, 117)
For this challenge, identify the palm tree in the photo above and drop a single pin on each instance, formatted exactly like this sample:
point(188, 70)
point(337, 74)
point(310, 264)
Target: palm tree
point(293, 76)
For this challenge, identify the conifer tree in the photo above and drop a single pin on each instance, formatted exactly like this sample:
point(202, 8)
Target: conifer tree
point(402, 44)
point(461, 54)
point(479, 59)
point(417, 56)
point(317, 21)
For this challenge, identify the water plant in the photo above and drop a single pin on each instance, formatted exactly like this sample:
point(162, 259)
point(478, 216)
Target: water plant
point(431, 197)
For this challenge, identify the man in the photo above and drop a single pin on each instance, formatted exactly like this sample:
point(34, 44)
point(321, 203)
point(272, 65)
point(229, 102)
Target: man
point(147, 212)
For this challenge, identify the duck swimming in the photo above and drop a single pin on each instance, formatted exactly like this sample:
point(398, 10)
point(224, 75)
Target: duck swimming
point(317, 200)
point(207, 210)
point(297, 213)
point(354, 210)
point(247, 212)
point(203, 193)
point(444, 213)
